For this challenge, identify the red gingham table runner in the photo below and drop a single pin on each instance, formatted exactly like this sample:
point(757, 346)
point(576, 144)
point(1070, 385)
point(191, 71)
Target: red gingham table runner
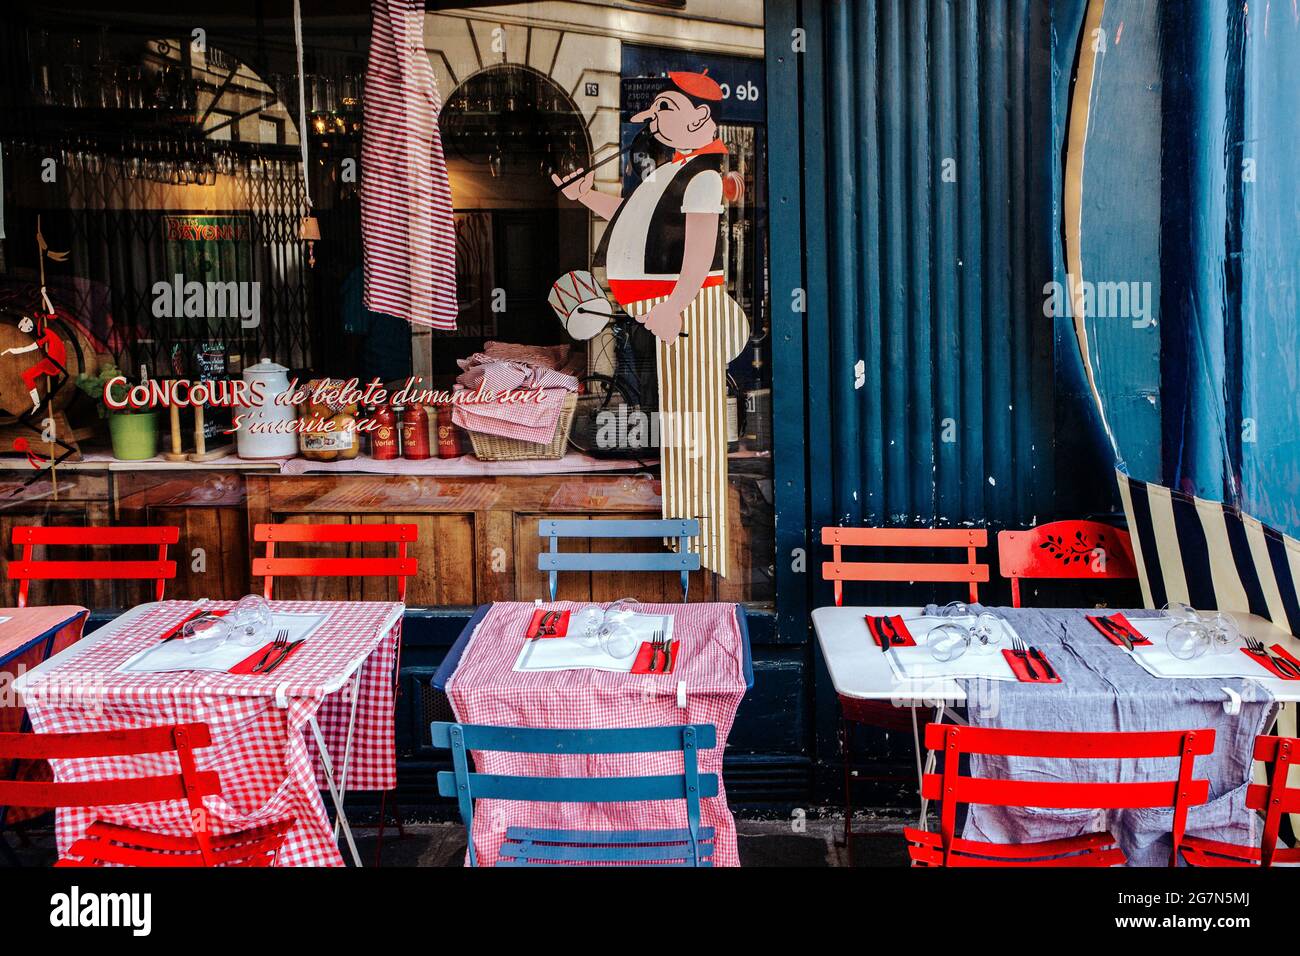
point(485, 689)
point(262, 752)
point(29, 636)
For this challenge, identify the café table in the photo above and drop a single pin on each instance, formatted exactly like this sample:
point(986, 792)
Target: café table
point(323, 719)
point(1102, 688)
point(710, 677)
point(28, 636)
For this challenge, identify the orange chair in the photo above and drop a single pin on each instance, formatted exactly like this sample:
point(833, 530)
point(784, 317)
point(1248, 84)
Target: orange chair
point(1065, 550)
point(883, 714)
point(1274, 799)
point(26, 569)
point(945, 848)
point(839, 570)
point(112, 844)
point(400, 567)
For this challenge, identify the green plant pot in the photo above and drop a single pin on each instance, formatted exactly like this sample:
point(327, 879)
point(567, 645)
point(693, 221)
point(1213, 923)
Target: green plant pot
point(135, 436)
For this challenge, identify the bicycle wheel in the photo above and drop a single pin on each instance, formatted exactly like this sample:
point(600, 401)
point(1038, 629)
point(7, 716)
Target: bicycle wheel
point(607, 423)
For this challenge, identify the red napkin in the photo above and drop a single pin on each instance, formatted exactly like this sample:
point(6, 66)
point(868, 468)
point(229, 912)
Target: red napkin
point(642, 663)
point(899, 628)
point(1280, 651)
point(1022, 672)
point(561, 626)
point(246, 665)
point(1134, 635)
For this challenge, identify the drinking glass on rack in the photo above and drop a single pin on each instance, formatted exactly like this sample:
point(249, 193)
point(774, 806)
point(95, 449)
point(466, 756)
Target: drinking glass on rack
point(205, 633)
point(1188, 640)
point(947, 642)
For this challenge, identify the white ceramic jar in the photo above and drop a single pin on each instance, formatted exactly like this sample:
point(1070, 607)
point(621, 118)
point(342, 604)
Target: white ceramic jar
point(274, 435)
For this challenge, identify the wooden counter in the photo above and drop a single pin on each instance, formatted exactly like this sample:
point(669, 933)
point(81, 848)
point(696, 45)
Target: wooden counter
point(478, 534)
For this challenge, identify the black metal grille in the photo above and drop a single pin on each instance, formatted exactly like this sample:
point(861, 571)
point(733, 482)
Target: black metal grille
point(114, 225)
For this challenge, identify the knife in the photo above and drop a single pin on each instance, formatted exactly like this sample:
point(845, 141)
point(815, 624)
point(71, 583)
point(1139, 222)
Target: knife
point(1038, 656)
point(280, 660)
point(1117, 631)
point(886, 633)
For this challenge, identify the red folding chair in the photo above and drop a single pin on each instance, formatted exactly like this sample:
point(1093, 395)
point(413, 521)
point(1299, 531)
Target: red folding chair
point(270, 566)
point(1273, 799)
point(1065, 550)
point(883, 714)
point(107, 844)
point(839, 570)
point(944, 848)
point(26, 569)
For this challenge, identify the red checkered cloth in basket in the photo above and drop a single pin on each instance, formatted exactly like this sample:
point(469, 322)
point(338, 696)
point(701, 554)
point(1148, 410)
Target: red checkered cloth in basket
point(262, 752)
point(485, 689)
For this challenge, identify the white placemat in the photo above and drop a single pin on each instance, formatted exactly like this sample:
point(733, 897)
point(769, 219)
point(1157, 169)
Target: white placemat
point(567, 653)
point(917, 663)
point(1158, 662)
point(175, 656)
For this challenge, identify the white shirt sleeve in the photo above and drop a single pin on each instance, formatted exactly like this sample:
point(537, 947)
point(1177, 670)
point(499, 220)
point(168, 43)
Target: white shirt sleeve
point(703, 193)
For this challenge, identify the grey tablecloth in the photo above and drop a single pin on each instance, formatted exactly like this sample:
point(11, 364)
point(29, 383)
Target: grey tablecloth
point(1102, 689)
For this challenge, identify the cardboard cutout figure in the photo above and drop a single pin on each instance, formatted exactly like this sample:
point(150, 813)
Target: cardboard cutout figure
point(665, 267)
point(53, 356)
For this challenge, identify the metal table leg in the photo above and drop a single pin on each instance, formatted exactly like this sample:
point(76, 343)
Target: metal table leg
point(335, 793)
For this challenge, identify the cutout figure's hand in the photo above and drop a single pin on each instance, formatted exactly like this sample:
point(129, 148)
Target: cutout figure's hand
point(664, 320)
point(578, 188)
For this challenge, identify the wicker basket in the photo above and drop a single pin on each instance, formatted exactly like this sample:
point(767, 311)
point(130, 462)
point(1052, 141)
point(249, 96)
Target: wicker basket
point(498, 448)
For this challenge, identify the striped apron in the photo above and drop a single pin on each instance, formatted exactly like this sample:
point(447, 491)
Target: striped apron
point(693, 415)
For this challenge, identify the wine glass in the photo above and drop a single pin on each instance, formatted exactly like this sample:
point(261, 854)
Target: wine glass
point(205, 633)
point(1178, 611)
point(617, 637)
point(1224, 633)
point(987, 633)
point(1188, 640)
point(250, 620)
point(947, 642)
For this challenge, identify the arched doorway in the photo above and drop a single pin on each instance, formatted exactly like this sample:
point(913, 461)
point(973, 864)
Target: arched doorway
point(504, 131)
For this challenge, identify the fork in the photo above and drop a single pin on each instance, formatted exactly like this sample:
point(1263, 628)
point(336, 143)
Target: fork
point(1022, 652)
point(656, 645)
point(281, 640)
point(1256, 646)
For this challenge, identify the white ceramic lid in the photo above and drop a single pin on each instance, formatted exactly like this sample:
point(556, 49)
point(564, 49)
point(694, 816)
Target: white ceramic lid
point(265, 367)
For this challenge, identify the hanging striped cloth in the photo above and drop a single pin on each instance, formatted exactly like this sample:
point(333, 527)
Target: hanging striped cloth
point(408, 236)
point(1209, 555)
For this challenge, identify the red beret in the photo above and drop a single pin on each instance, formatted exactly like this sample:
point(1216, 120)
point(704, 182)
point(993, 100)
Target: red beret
point(699, 85)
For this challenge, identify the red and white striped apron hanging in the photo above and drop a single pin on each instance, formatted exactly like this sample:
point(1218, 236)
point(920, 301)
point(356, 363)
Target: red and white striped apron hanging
point(408, 235)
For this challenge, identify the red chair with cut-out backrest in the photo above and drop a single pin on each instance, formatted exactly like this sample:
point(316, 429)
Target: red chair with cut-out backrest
point(113, 844)
point(1273, 799)
point(970, 571)
point(945, 848)
point(27, 569)
point(1065, 550)
point(271, 567)
point(401, 567)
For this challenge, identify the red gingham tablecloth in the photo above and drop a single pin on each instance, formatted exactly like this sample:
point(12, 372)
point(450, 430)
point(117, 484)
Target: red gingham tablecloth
point(485, 689)
point(263, 752)
point(28, 635)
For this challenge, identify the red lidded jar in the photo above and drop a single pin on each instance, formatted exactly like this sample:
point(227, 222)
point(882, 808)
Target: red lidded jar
point(415, 432)
point(383, 440)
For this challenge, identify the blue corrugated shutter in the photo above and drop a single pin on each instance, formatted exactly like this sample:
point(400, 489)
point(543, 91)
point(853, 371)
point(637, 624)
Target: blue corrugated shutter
point(923, 173)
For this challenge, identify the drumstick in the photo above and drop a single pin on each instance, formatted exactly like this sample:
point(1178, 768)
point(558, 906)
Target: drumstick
point(685, 335)
point(574, 177)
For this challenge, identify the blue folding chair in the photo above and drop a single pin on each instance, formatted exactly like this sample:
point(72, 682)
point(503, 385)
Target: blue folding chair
point(681, 560)
point(527, 846)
